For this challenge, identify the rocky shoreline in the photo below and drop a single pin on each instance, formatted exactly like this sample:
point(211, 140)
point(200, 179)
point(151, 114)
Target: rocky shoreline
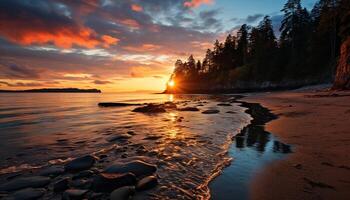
point(101, 176)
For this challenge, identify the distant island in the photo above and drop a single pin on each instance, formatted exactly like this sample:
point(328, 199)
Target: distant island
point(53, 90)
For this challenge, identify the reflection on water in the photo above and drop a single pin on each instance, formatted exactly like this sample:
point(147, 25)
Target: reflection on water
point(252, 149)
point(187, 147)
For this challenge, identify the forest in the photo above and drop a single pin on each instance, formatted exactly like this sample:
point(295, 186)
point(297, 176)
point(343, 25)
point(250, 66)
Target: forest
point(306, 52)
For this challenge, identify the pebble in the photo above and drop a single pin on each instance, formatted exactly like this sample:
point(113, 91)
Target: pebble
point(74, 194)
point(52, 171)
point(211, 112)
point(122, 193)
point(25, 182)
point(61, 185)
point(79, 164)
point(107, 182)
point(138, 168)
point(147, 183)
point(27, 194)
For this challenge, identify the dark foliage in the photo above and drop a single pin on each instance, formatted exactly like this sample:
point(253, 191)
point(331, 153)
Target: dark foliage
point(305, 53)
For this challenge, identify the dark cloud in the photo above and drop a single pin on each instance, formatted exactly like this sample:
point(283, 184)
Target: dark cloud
point(250, 19)
point(12, 70)
point(21, 84)
point(99, 82)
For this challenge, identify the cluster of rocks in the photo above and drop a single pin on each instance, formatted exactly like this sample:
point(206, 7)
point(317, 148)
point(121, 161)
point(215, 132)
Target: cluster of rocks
point(79, 179)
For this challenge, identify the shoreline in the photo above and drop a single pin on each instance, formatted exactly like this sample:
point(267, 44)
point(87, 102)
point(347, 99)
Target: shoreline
point(234, 178)
point(316, 124)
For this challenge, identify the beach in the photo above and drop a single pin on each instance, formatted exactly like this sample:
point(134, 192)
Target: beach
point(316, 123)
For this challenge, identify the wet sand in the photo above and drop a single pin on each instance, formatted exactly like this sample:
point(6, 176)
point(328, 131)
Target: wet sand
point(316, 124)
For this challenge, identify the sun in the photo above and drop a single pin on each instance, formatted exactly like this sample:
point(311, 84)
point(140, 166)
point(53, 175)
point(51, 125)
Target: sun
point(171, 83)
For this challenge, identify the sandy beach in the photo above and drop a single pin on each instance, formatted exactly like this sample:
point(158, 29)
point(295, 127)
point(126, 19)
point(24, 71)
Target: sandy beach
point(316, 124)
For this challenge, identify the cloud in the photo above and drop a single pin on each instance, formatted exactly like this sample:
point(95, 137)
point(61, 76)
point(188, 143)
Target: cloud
point(21, 84)
point(136, 8)
point(99, 82)
point(197, 3)
point(12, 70)
point(46, 23)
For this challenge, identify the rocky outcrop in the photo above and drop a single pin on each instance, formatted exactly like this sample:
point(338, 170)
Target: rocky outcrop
point(342, 78)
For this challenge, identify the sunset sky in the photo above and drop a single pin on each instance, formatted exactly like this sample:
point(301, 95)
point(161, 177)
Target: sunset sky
point(114, 45)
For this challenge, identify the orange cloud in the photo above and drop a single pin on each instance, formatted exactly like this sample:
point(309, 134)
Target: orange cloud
point(131, 23)
point(144, 47)
point(136, 8)
point(196, 3)
point(63, 36)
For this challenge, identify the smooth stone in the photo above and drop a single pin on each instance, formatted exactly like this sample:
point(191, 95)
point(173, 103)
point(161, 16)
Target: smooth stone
point(118, 137)
point(152, 137)
point(27, 194)
point(193, 109)
point(25, 182)
point(80, 164)
point(81, 183)
point(107, 182)
point(52, 171)
point(147, 183)
point(150, 108)
point(138, 168)
point(116, 104)
point(61, 185)
point(211, 112)
point(74, 194)
point(122, 193)
point(83, 174)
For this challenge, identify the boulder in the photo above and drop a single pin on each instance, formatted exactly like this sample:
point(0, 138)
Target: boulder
point(27, 194)
point(25, 182)
point(61, 185)
point(107, 182)
point(52, 171)
point(122, 193)
point(80, 164)
point(150, 108)
point(192, 109)
point(74, 194)
point(147, 183)
point(138, 168)
point(116, 104)
point(211, 112)
point(118, 137)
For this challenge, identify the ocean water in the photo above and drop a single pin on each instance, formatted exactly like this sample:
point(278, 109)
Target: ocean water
point(189, 148)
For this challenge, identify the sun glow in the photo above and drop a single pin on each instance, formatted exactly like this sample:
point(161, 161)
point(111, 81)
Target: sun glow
point(171, 83)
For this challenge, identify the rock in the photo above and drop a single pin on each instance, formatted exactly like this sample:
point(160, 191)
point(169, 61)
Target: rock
point(193, 109)
point(83, 174)
point(27, 194)
point(152, 137)
point(79, 164)
point(138, 168)
point(170, 105)
point(211, 112)
point(122, 193)
point(150, 108)
point(74, 194)
point(118, 137)
point(61, 185)
point(52, 171)
point(107, 182)
point(224, 104)
point(25, 182)
point(81, 183)
point(147, 183)
point(111, 104)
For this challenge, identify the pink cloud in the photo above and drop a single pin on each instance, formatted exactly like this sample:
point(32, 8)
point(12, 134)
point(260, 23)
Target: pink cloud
point(197, 3)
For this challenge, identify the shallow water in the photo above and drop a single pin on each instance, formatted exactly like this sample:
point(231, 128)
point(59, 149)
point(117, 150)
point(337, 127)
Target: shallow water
point(189, 148)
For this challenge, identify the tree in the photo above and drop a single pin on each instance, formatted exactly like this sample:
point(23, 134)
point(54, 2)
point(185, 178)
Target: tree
point(242, 45)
